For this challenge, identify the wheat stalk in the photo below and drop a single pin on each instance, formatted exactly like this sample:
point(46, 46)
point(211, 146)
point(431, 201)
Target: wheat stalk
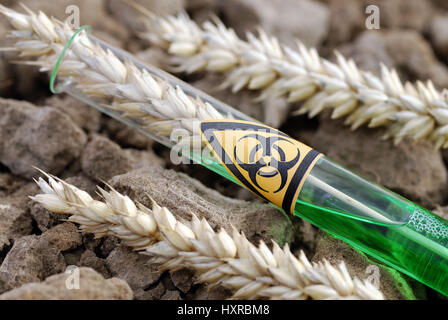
point(219, 258)
point(100, 74)
point(262, 63)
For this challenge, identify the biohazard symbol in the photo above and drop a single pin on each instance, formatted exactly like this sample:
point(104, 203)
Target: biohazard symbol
point(266, 165)
point(264, 160)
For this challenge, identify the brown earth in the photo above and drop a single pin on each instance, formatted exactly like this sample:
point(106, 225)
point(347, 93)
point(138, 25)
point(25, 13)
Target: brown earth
point(77, 143)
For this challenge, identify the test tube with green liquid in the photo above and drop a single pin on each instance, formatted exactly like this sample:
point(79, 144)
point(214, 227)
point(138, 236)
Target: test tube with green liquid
point(369, 217)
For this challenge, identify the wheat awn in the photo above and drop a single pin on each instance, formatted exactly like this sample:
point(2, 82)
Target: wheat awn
point(261, 63)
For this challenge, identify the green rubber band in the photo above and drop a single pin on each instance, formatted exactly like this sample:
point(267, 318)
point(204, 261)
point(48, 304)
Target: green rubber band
point(61, 56)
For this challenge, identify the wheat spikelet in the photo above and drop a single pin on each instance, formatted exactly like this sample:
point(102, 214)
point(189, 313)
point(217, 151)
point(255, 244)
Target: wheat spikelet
point(99, 73)
point(219, 258)
point(262, 63)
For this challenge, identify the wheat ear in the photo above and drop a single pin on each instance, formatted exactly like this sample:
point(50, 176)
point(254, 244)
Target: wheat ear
point(98, 73)
point(262, 63)
point(219, 258)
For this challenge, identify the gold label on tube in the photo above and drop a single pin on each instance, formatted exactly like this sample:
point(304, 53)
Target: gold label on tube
point(266, 161)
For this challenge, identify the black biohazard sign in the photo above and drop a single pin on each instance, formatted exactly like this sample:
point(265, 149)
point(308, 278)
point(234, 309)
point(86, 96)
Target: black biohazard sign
point(264, 160)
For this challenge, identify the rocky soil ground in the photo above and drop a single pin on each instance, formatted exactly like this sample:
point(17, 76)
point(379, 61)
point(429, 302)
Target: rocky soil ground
point(62, 136)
